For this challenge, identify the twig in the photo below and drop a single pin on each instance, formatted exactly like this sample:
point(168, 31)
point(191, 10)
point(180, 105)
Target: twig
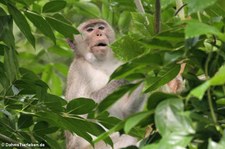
point(141, 9)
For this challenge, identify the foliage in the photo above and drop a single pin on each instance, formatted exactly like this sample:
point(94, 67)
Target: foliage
point(32, 108)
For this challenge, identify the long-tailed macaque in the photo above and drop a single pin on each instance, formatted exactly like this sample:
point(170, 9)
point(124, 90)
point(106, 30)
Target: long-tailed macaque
point(88, 77)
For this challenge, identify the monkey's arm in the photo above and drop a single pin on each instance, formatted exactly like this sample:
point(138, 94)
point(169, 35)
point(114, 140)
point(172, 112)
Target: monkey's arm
point(107, 89)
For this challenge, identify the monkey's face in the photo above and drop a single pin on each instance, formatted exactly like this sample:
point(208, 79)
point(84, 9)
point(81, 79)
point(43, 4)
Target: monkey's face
point(96, 36)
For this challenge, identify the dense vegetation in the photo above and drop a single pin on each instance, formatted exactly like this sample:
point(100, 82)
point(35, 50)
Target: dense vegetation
point(34, 60)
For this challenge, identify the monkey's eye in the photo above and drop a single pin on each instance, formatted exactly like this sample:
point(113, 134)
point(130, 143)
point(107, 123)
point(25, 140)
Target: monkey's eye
point(89, 29)
point(101, 27)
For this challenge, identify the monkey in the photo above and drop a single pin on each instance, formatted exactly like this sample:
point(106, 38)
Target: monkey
point(89, 75)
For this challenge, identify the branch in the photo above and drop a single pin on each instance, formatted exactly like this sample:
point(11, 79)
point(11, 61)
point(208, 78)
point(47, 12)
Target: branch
point(180, 9)
point(141, 9)
point(157, 16)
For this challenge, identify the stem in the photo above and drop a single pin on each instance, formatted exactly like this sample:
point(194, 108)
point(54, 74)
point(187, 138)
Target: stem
point(141, 9)
point(199, 16)
point(180, 9)
point(211, 106)
point(157, 16)
point(208, 91)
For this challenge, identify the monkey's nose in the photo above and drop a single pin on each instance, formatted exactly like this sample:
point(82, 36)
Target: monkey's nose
point(99, 34)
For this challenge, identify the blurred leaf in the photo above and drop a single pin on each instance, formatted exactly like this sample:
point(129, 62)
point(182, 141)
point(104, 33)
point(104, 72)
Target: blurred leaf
point(41, 24)
point(63, 28)
point(191, 31)
point(165, 3)
point(127, 48)
point(25, 121)
point(88, 8)
point(56, 84)
point(43, 128)
point(61, 18)
point(198, 5)
point(10, 64)
point(6, 31)
point(54, 6)
point(124, 21)
point(21, 22)
point(60, 51)
point(51, 142)
point(219, 145)
point(80, 106)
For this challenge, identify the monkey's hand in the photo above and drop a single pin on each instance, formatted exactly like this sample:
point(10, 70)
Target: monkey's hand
point(176, 85)
point(108, 89)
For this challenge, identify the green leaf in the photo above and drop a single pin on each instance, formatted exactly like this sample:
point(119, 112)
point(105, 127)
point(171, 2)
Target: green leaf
point(41, 24)
point(198, 5)
point(174, 141)
point(156, 97)
point(51, 142)
point(214, 145)
point(202, 28)
point(135, 119)
point(165, 3)
point(115, 96)
point(63, 28)
point(10, 64)
point(21, 22)
point(6, 30)
point(76, 125)
point(127, 47)
point(199, 91)
point(55, 103)
point(88, 8)
point(25, 121)
point(217, 79)
point(169, 118)
point(166, 74)
point(124, 20)
point(80, 106)
point(54, 6)
point(43, 128)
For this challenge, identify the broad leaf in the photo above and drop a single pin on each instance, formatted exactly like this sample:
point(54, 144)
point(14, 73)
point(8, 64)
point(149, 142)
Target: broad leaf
point(202, 28)
point(25, 121)
point(41, 24)
point(21, 22)
point(165, 75)
point(169, 118)
point(80, 106)
point(217, 79)
point(135, 119)
point(63, 28)
point(54, 6)
point(198, 5)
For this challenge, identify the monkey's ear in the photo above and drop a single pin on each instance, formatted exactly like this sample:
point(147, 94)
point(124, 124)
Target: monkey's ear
point(71, 43)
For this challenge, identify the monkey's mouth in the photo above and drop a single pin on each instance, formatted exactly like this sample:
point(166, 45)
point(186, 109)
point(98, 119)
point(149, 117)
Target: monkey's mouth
point(101, 45)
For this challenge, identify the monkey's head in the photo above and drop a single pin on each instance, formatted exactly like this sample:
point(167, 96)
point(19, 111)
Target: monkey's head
point(93, 42)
